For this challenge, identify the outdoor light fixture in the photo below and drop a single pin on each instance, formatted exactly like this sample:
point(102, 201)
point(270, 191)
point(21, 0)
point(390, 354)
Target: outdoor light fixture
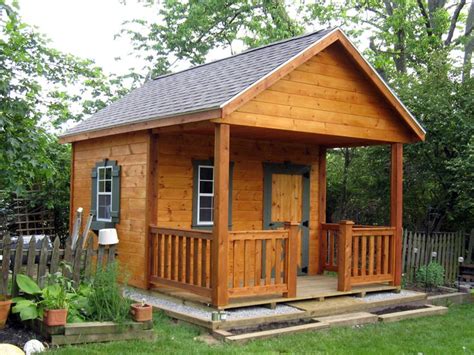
point(434, 254)
point(415, 250)
point(460, 261)
point(108, 236)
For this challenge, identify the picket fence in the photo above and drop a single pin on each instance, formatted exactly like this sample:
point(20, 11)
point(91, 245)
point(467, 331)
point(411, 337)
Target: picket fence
point(83, 259)
point(418, 250)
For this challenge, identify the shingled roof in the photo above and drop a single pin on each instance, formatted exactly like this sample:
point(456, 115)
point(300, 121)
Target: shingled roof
point(200, 88)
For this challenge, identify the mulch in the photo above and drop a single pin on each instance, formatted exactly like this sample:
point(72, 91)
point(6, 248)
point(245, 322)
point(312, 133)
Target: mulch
point(17, 334)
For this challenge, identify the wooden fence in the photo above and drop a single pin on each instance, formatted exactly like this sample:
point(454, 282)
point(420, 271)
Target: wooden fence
point(418, 250)
point(39, 262)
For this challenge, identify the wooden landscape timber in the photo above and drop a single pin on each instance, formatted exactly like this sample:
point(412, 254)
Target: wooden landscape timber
point(94, 332)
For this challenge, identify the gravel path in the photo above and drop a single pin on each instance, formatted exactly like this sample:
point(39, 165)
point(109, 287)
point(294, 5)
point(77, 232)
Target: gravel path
point(387, 295)
point(202, 313)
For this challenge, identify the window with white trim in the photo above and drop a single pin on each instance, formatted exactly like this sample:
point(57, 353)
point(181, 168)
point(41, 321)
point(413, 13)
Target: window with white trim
point(205, 195)
point(104, 193)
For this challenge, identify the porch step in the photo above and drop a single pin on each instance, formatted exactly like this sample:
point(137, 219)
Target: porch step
point(343, 305)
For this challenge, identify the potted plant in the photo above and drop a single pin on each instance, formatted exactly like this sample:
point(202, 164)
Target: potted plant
point(141, 312)
point(5, 304)
point(49, 303)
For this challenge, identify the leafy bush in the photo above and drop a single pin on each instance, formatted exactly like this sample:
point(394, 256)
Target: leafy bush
point(106, 300)
point(430, 276)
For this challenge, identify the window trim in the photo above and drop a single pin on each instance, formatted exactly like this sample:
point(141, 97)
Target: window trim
point(199, 194)
point(195, 211)
point(106, 167)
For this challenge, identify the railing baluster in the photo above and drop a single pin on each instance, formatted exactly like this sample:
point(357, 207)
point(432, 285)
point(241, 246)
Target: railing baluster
point(258, 262)
point(371, 254)
point(355, 257)
point(363, 268)
point(379, 255)
point(203, 262)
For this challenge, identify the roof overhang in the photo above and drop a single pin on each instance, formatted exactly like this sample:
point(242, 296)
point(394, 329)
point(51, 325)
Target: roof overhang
point(144, 124)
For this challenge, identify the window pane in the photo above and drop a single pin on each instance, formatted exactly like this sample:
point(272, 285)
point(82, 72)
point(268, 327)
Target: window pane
point(101, 173)
point(108, 173)
point(205, 201)
point(105, 205)
point(206, 173)
point(205, 214)
point(205, 187)
point(108, 186)
point(101, 186)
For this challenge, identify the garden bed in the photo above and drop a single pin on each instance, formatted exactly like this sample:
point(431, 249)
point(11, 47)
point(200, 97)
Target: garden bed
point(395, 314)
point(93, 332)
point(17, 334)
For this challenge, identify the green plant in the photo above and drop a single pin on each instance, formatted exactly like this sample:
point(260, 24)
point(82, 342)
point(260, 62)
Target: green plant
point(106, 300)
point(58, 294)
point(431, 275)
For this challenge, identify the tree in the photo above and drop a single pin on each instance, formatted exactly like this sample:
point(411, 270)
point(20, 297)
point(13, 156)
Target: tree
point(40, 89)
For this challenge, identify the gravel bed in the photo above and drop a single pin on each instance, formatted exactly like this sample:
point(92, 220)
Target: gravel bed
point(202, 313)
point(380, 296)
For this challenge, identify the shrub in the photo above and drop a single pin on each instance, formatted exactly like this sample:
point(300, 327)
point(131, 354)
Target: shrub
point(106, 301)
point(430, 276)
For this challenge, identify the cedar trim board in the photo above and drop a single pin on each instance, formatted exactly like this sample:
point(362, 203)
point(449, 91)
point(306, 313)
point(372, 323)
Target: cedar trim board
point(336, 35)
point(145, 124)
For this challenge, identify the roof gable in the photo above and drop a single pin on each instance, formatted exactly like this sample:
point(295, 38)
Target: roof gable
point(218, 88)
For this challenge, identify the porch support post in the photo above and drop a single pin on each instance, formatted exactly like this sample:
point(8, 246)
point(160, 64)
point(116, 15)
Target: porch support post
point(292, 258)
point(344, 256)
point(322, 247)
point(220, 243)
point(396, 209)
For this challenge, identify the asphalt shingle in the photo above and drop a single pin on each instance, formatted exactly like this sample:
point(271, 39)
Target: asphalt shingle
point(199, 88)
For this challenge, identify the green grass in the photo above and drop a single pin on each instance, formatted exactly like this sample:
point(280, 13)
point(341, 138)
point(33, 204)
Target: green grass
point(449, 334)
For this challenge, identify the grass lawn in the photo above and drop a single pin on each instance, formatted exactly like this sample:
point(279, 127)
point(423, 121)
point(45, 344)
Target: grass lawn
point(449, 334)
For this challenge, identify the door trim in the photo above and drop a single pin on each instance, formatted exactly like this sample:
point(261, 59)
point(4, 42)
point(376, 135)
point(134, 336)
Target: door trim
point(290, 169)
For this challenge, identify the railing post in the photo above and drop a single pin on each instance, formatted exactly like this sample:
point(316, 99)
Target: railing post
point(292, 258)
point(220, 243)
point(344, 256)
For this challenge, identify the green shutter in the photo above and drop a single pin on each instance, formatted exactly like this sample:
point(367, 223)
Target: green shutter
point(94, 192)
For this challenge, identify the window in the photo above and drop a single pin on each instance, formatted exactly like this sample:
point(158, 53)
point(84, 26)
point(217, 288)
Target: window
point(104, 193)
point(205, 215)
point(203, 194)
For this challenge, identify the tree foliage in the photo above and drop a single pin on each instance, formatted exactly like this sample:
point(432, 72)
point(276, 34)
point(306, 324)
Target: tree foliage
point(41, 89)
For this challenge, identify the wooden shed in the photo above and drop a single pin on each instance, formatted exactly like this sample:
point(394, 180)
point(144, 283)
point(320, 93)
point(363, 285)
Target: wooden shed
point(215, 176)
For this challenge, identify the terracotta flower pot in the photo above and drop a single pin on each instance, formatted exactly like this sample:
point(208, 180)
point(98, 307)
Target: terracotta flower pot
point(55, 317)
point(5, 306)
point(141, 313)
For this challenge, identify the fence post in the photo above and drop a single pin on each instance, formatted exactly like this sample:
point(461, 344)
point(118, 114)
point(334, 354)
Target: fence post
point(292, 258)
point(344, 256)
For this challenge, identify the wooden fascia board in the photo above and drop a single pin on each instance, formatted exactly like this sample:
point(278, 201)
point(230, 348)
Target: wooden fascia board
point(334, 36)
point(271, 78)
point(149, 124)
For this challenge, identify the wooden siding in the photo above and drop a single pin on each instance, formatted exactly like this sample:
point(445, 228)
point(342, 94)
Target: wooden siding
point(328, 94)
point(130, 151)
point(175, 180)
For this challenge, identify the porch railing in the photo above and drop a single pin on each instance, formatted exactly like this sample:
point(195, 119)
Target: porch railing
point(260, 262)
point(181, 258)
point(360, 254)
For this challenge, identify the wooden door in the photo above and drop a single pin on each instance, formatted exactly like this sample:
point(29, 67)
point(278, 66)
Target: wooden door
point(287, 200)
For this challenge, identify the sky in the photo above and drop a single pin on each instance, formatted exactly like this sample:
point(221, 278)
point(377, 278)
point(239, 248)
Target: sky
point(86, 28)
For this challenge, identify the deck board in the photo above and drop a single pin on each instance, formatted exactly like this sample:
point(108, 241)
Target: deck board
point(308, 287)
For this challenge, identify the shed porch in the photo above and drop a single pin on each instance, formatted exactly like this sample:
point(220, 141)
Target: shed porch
point(228, 267)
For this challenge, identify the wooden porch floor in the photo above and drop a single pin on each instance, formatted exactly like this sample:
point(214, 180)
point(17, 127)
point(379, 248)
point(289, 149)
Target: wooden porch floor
point(308, 287)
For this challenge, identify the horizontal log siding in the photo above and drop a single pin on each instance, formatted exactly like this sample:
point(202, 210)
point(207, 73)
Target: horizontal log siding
point(130, 151)
point(175, 180)
point(326, 95)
